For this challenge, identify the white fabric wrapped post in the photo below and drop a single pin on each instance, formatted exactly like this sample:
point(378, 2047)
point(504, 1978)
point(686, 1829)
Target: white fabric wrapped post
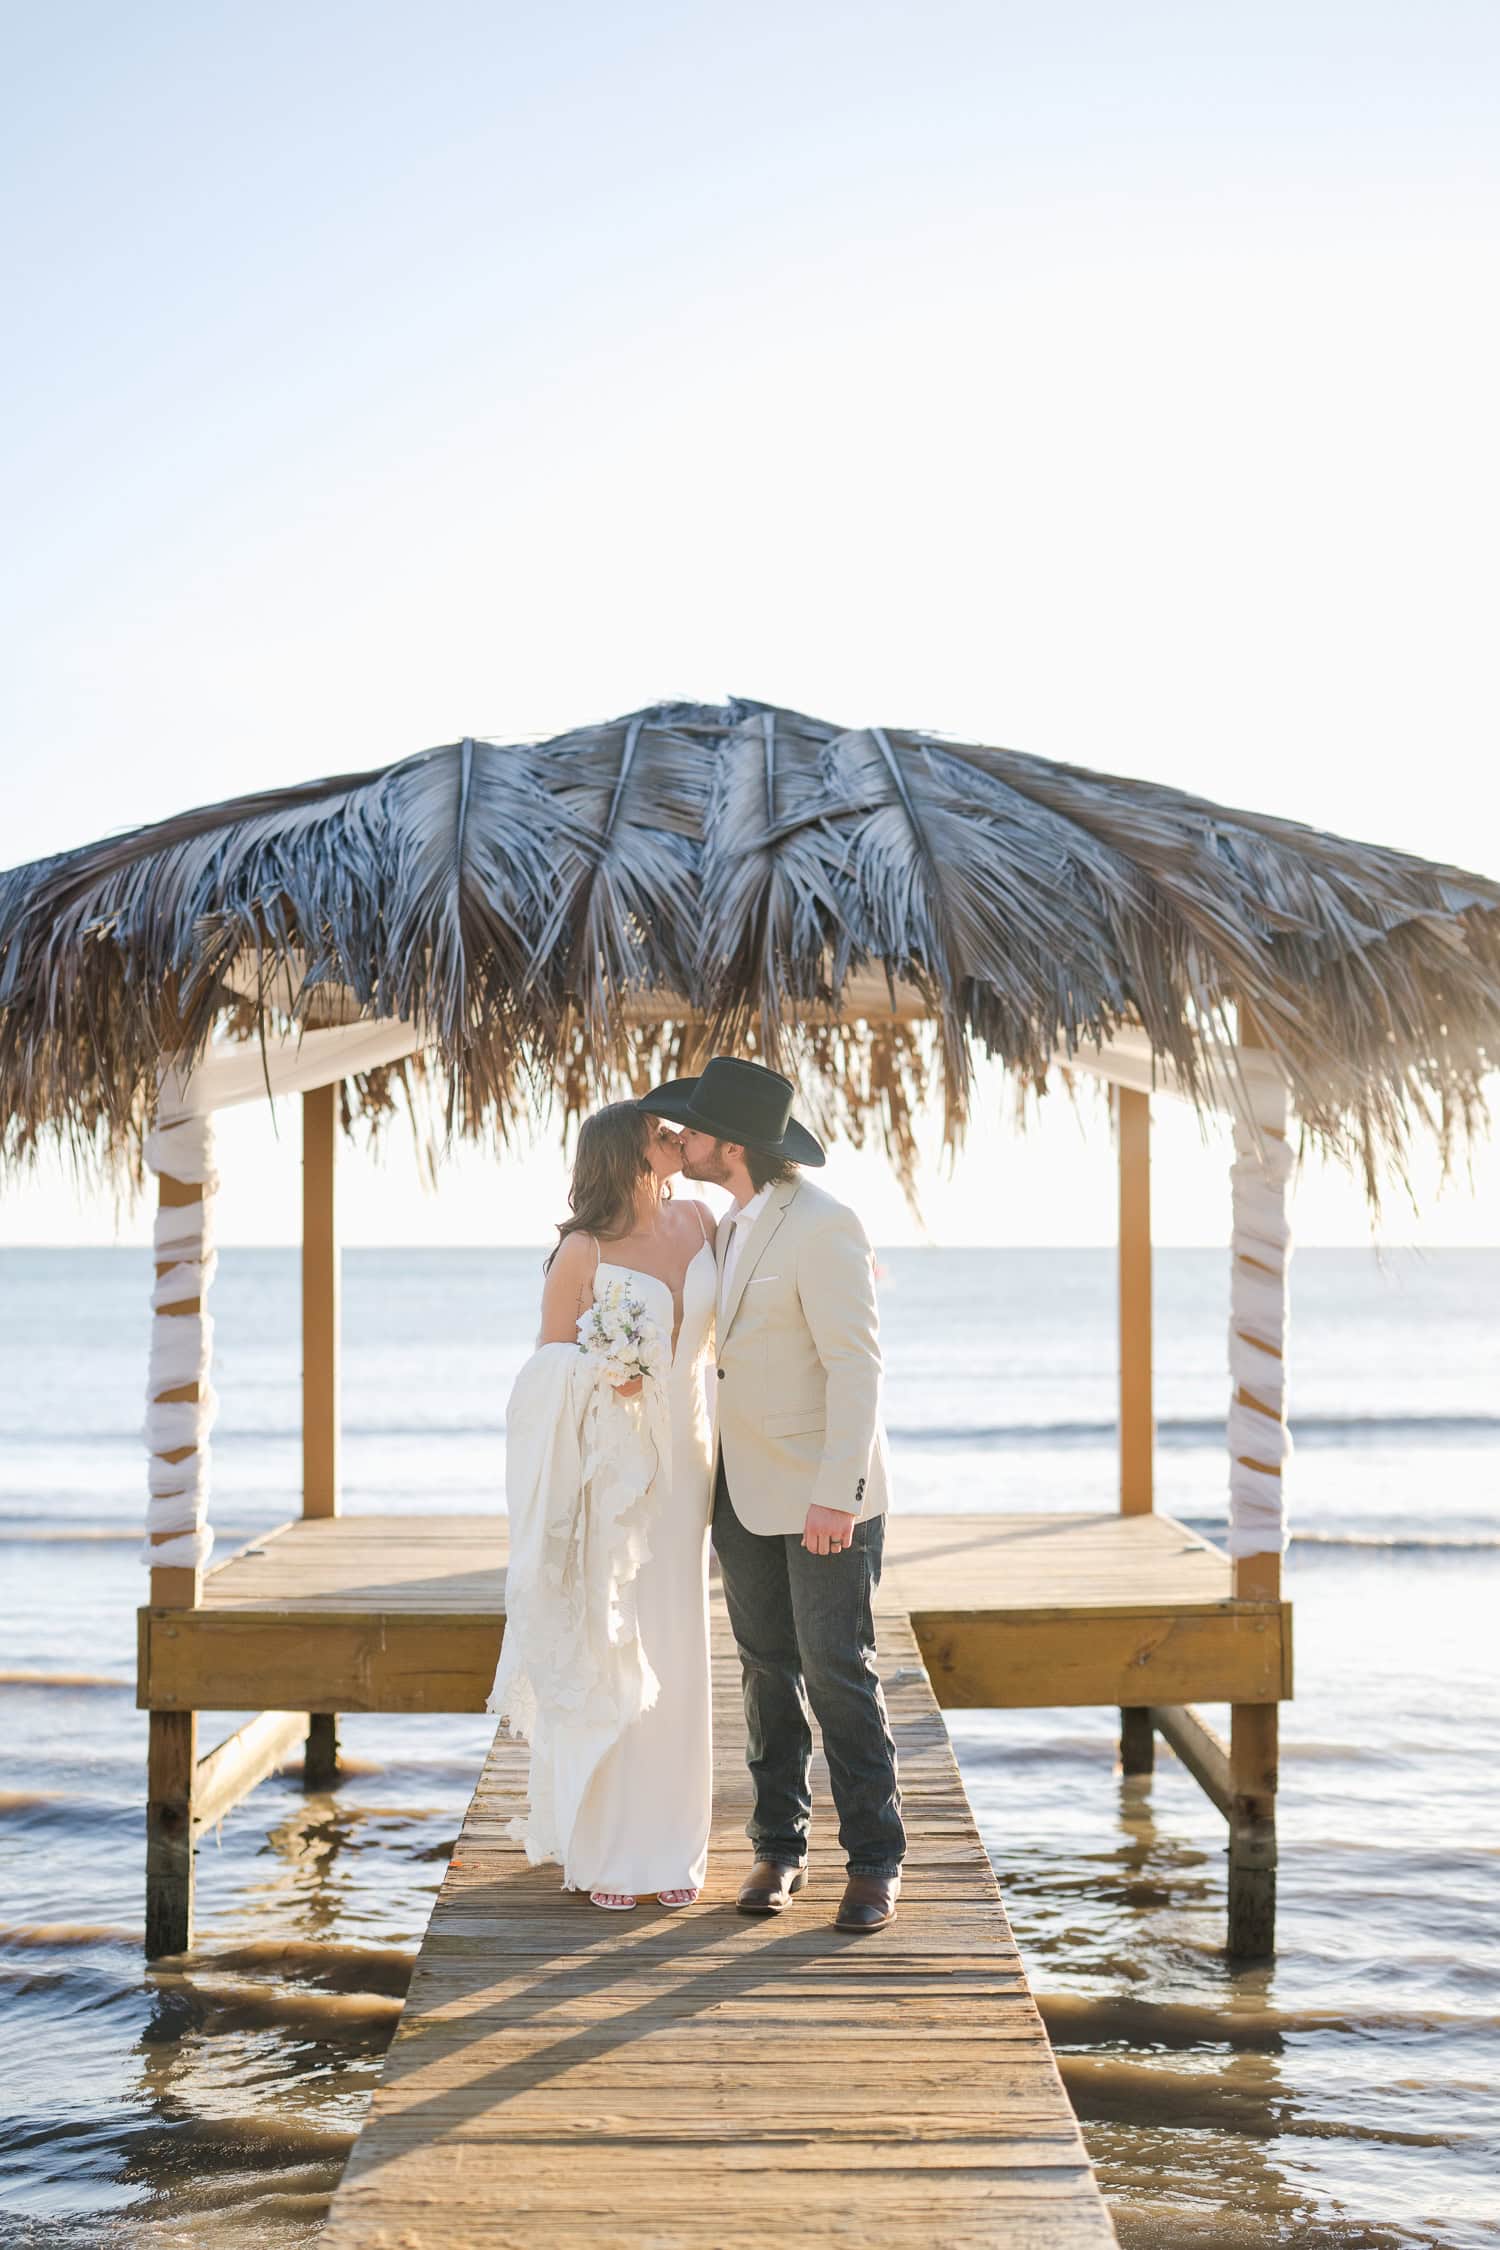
point(1259, 1440)
point(177, 1533)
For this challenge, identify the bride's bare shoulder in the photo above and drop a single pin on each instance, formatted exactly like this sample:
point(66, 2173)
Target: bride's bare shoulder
point(567, 1287)
point(575, 1252)
point(572, 1266)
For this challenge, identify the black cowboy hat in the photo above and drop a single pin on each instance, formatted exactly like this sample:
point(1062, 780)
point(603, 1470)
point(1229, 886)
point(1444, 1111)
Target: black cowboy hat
point(737, 1101)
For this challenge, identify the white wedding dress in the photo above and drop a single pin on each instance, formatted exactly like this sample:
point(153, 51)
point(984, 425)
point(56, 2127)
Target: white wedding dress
point(642, 1820)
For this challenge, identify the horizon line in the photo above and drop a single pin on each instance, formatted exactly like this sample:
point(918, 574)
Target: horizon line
point(470, 1249)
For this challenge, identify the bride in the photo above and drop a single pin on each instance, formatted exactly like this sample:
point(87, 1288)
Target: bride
point(605, 1665)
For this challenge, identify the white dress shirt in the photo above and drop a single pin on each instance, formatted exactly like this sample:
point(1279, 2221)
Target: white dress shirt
point(741, 1219)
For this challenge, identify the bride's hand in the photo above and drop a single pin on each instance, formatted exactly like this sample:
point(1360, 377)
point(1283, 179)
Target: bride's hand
point(628, 1390)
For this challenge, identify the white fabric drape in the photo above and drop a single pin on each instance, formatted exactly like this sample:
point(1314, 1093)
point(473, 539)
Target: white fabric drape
point(1261, 1248)
point(181, 1350)
point(292, 1062)
point(581, 1470)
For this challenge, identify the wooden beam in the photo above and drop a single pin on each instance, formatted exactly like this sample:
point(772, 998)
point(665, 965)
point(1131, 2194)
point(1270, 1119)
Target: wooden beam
point(1201, 1750)
point(320, 1305)
point(1017, 1660)
point(321, 1660)
point(1137, 1429)
point(405, 1659)
point(232, 1770)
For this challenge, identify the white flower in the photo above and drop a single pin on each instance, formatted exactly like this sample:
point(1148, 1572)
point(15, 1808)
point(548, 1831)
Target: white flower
point(620, 1337)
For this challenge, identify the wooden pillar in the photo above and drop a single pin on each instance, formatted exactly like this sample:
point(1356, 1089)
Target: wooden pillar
point(171, 1762)
point(320, 1364)
point(1137, 1739)
point(320, 1306)
point(1254, 1733)
point(1137, 1426)
point(320, 1758)
point(1257, 1332)
point(172, 1736)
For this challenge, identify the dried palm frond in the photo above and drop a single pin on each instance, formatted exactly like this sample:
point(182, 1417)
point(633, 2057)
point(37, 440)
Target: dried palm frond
point(572, 919)
point(623, 909)
point(772, 904)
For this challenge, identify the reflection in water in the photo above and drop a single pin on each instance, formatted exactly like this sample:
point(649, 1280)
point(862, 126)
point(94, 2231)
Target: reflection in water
point(258, 2058)
point(250, 2060)
point(1209, 2093)
point(1224, 2110)
point(309, 1885)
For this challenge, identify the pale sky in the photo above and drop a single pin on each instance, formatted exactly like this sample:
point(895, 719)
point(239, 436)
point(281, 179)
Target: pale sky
point(1115, 384)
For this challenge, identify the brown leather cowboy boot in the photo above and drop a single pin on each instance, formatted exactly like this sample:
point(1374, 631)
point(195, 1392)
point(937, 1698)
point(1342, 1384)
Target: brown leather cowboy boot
point(868, 1903)
point(768, 1888)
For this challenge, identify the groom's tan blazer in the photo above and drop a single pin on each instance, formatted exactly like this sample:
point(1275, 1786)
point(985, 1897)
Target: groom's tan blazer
point(798, 1364)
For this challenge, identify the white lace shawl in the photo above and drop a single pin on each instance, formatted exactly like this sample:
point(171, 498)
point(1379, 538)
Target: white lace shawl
point(581, 1470)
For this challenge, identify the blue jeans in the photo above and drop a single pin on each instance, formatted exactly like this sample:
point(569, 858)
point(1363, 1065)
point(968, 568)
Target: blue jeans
point(806, 1634)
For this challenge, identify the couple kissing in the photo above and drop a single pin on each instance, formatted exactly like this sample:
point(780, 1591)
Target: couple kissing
point(698, 1381)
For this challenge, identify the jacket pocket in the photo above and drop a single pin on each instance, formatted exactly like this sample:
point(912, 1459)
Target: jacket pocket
point(793, 1425)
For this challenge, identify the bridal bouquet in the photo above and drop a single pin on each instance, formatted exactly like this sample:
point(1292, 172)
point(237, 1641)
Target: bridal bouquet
point(620, 1337)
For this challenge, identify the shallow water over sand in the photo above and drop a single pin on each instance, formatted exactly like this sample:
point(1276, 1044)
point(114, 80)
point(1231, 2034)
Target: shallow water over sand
point(1342, 2095)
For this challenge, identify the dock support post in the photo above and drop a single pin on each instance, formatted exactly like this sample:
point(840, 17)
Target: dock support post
point(1253, 1732)
point(1137, 1428)
point(320, 1759)
point(1258, 1445)
point(171, 1761)
point(176, 1518)
point(1137, 1739)
point(320, 1305)
point(320, 1364)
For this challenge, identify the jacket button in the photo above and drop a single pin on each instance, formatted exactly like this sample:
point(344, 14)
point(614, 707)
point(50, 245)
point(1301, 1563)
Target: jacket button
point(721, 1374)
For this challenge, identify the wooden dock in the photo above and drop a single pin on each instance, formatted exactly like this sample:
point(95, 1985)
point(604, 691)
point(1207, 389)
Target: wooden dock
point(667, 2078)
point(563, 2077)
point(404, 1613)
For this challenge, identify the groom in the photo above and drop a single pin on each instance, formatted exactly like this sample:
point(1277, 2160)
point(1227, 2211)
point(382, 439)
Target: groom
point(800, 1483)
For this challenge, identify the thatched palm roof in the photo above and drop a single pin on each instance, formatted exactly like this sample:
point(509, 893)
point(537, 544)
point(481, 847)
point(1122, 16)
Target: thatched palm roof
point(601, 909)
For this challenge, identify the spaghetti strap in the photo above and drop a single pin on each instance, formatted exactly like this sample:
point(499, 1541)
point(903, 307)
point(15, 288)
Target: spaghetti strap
point(595, 1241)
point(698, 1207)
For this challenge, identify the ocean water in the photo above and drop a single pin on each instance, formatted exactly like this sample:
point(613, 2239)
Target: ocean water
point(1344, 2094)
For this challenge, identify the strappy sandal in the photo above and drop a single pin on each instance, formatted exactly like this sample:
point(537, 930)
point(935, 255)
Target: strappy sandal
point(613, 1902)
point(687, 1896)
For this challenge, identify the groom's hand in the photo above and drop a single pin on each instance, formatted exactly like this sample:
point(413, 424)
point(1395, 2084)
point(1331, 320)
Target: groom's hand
point(827, 1531)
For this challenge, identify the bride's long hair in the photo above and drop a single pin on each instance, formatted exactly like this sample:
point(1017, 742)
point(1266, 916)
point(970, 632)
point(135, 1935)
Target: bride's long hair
point(608, 1165)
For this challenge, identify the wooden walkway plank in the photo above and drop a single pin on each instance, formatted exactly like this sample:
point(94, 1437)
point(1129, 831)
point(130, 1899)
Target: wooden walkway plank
point(967, 1562)
point(701, 2077)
